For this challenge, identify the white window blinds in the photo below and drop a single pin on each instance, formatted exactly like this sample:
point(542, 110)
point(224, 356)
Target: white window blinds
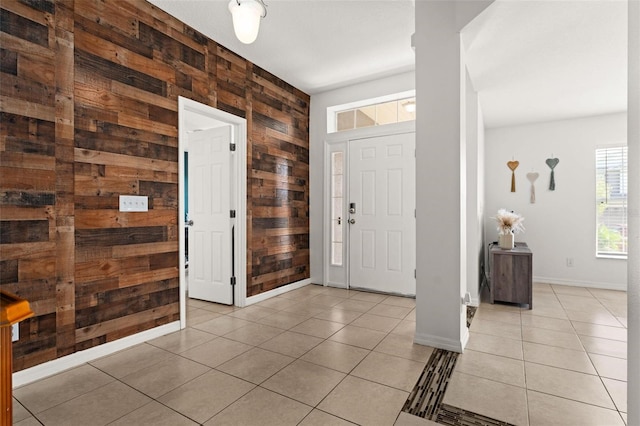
point(611, 202)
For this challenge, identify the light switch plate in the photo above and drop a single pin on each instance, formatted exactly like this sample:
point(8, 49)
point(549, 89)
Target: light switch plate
point(15, 332)
point(134, 203)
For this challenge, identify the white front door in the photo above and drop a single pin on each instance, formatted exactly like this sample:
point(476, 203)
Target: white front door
point(210, 259)
point(381, 204)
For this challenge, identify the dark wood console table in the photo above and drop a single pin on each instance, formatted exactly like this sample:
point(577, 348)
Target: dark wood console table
point(511, 274)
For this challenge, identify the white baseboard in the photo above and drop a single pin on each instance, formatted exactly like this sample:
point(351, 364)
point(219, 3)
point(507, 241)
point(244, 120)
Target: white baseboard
point(574, 283)
point(440, 343)
point(75, 359)
point(277, 291)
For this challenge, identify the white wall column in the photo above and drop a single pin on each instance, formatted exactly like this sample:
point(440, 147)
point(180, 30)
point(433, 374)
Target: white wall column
point(633, 263)
point(440, 166)
point(474, 235)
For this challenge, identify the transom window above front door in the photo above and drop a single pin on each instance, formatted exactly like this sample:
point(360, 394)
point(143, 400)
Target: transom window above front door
point(392, 109)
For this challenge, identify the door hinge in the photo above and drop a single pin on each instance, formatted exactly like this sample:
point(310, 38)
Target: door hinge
point(415, 273)
point(233, 281)
point(232, 146)
point(232, 214)
point(415, 213)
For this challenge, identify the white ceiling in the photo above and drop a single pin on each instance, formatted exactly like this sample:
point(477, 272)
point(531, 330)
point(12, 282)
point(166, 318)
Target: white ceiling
point(529, 60)
point(315, 45)
point(533, 61)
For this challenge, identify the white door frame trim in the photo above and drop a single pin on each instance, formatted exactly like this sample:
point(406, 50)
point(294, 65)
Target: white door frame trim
point(346, 137)
point(239, 164)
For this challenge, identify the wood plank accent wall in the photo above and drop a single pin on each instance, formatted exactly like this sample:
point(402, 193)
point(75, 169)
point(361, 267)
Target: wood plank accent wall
point(88, 104)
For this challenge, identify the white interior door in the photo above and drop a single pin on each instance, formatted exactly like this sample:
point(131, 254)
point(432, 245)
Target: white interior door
point(210, 254)
point(382, 253)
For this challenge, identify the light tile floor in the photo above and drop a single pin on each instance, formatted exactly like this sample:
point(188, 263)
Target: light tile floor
point(561, 363)
point(325, 356)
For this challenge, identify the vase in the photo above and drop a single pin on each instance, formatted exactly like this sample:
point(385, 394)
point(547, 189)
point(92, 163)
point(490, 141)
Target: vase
point(506, 241)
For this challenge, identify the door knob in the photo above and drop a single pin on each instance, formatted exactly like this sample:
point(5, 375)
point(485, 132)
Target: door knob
point(190, 222)
point(352, 221)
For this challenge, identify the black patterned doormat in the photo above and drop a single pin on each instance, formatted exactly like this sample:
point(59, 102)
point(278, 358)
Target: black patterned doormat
point(426, 396)
point(425, 400)
point(454, 416)
point(471, 312)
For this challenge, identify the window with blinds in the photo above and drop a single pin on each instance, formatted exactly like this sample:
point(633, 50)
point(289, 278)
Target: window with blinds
point(611, 202)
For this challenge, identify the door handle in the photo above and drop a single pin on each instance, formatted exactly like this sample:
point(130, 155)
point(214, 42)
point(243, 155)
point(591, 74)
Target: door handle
point(352, 221)
point(190, 222)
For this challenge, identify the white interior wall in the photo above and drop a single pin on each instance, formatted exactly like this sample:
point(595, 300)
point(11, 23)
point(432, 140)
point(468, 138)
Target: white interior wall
point(561, 224)
point(480, 214)
point(474, 171)
point(318, 134)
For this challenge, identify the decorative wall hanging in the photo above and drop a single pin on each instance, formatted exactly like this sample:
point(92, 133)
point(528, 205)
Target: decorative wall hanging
point(513, 165)
point(552, 163)
point(532, 176)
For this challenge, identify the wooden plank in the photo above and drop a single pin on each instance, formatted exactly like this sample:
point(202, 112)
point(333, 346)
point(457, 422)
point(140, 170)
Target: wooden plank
point(36, 68)
point(142, 175)
point(24, 231)
point(97, 157)
point(64, 209)
point(287, 137)
point(143, 96)
point(33, 269)
point(27, 179)
point(23, 213)
point(144, 277)
point(96, 202)
point(106, 237)
point(109, 130)
point(169, 129)
point(90, 253)
point(167, 193)
point(12, 86)
point(93, 185)
point(120, 73)
point(22, 46)
point(105, 32)
point(24, 28)
point(144, 249)
point(110, 308)
point(96, 219)
point(24, 198)
point(37, 12)
point(110, 15)
point(103, 328)
point(8, 270)
point(110, 268)
point(27, 161)
point(8, 62)
point(103, 99)
point(106, 50)
point(25, 108)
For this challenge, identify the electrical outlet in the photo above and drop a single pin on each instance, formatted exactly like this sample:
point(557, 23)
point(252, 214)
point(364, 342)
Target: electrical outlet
point(570, 262)
point(134, 203)
point(15, 332)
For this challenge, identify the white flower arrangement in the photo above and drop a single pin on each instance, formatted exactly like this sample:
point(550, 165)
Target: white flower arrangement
point(509, 222)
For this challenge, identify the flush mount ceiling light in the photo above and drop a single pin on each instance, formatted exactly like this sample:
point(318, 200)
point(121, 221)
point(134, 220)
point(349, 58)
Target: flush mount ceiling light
point(410, 106)
point(246, 18)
